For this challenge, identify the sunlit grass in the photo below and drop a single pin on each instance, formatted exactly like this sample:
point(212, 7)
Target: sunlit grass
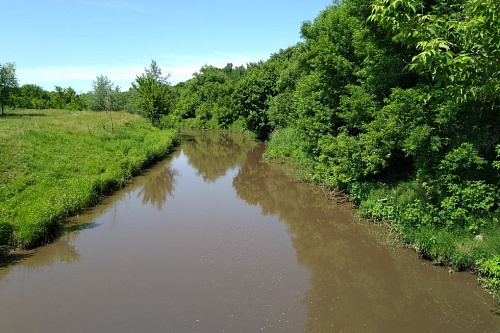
point(54, 163)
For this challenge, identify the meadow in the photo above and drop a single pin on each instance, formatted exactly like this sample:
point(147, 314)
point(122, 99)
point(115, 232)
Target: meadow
point(54, 163)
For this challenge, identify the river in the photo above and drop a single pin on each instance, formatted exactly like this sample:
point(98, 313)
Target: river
point(215, 239)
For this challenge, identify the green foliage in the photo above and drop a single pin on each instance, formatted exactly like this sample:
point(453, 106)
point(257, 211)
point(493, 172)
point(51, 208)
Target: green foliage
point(357, 109)
point(465, 200)
point(153, 94)
point(489, 273)
point(65, 98)
point(340, 162)
point(206, 101)
point(286, 146)
point(52, 164)
point(8, 81)
point(6, 238)
point(496, 164)
point(434, 244)
point(252, 97)
point(395, 101)
point(31, 96)
point(105, 96)
point(312, 118)
point(459, 47)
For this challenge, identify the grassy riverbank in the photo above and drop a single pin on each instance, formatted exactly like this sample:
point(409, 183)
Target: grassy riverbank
point(407, 209)
point(54, 163)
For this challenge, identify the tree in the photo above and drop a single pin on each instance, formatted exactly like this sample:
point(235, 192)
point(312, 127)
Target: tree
point(105, 96)
point(66, 99)
point(459, 47)
point(30, 96)
point(153, 90)
point(8, 81)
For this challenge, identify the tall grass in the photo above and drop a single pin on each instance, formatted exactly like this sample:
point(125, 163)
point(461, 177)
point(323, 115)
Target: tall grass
point(54, 163)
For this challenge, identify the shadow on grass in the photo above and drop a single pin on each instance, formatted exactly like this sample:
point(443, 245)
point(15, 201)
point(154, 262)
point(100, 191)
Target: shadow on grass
point(22, 115)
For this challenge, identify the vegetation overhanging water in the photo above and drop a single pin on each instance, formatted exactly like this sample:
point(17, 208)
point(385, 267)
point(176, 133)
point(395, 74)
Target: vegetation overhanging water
point(215, 238)
point(394, 102)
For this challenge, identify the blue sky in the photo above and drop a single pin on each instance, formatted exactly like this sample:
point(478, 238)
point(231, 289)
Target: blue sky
point(70, 42)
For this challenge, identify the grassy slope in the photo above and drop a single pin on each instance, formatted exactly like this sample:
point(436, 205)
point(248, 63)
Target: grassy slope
point(54, 163)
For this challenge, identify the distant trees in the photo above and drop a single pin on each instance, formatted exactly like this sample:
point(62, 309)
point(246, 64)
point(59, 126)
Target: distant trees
point(66, 98)
point(8, 81)
point(31, 96)
point(153, 97)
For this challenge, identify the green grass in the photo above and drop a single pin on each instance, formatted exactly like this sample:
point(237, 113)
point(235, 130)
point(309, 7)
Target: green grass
point(54, 163)
point(285, 147)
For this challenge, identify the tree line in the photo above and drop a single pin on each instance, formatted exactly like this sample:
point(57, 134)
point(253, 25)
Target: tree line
point(149, 95)
point(394, 102)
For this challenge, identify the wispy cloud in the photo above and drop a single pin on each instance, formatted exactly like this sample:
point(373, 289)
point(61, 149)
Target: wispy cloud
point(79, 77)
point(181, 67)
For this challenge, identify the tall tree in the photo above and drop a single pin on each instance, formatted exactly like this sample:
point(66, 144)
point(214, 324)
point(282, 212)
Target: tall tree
point(8, 81)
point(153, 91)
point(105, 96)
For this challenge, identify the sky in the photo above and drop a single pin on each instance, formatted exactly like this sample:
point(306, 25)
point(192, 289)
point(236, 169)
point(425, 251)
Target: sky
point(71, 42)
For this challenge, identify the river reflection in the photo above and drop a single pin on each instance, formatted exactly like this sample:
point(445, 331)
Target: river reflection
point(158, 187)
point(215, 239)
point(359, 283)
point(213, 153)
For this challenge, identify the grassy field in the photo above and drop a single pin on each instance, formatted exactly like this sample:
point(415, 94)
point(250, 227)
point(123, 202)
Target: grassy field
point(53, 163)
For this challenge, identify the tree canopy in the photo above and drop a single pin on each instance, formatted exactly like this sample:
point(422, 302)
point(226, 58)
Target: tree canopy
point(8, 81)
point(104, 96)
point(153, 93)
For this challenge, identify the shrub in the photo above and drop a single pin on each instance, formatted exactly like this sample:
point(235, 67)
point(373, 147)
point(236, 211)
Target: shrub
point(489, 273)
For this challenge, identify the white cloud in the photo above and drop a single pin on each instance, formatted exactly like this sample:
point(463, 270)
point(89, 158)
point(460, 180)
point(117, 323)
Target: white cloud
point(180, 67)
point(80, 78)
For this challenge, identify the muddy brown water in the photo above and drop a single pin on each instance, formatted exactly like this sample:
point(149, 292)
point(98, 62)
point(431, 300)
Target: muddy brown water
point(214, 239)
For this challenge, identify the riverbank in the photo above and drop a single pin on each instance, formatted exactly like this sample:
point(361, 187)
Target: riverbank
point(395, 207)
point(54, 163)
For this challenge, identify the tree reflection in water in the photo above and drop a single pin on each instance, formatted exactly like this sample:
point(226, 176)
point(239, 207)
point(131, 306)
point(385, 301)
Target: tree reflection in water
point(213, 153)
point(158, 186)
point(358, 283)
point(63, 250)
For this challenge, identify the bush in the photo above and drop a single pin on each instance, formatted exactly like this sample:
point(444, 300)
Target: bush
point(489, 273)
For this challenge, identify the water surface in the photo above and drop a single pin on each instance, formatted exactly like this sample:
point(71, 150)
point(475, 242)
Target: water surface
point(214, 239)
